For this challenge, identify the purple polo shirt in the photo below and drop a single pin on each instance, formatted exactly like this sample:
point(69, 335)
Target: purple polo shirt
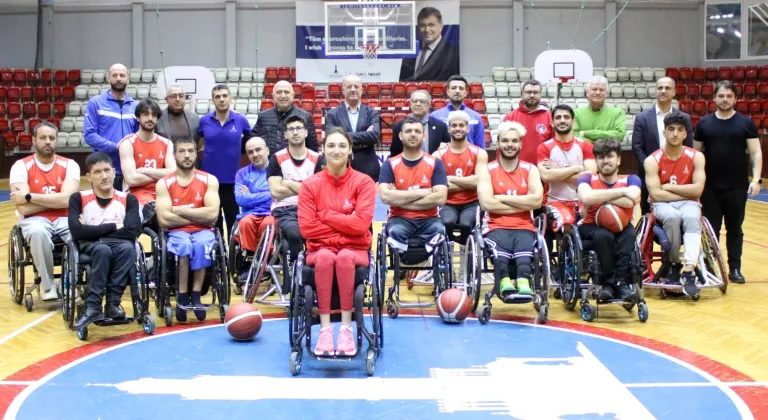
point(223, 144)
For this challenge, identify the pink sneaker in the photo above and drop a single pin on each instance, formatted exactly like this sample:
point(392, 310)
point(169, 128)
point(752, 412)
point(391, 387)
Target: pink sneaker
point(324, 346)
point(346, 342)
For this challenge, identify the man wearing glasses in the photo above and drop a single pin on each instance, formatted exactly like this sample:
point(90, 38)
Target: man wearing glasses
point(271, 123)
point(177, 122)
point(435, 131)
point(535, 117)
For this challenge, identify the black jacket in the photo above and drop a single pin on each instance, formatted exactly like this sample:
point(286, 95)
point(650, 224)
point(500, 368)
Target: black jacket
point(271, 127)
point(440, 65)
point(645, 136)
point(438, 133)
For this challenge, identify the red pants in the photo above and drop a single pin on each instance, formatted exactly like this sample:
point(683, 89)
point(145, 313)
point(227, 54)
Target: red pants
point(345, 261)
point(251, 228)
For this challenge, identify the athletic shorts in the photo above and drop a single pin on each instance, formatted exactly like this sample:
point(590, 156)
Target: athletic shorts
point(197, 246)
point(511, 243)
point(561, 213)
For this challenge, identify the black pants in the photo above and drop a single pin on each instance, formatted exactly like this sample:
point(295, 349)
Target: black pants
point(645, 206)
point(509, 244)
point(366, 161)
point(731, 206)
point(614, 251)
point(118, 184)
point(461, 216)
point(229, 204)
point(287, 220)
point(112, 268)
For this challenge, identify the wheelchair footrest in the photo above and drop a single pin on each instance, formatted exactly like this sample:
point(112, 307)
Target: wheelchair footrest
point(106, 322)
point(514, 298)
point(195, 307)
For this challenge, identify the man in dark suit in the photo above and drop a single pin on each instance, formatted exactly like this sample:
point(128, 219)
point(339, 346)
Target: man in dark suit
point(436, 132)
point(647, 135)
point(437, 59)
point(177, 122)
point(361, 122)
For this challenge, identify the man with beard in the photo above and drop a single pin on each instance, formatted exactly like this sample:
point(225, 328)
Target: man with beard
point(414, 185)
point(457, 92)
point(614, 251)
point(560, 161)
point(271, 123)
point(460, 159)
point(675, 177)
point(535, 117)
point(40, 187)
point(177, 122)
point(509, 189)
point(597, 121)
point(723, 137)
point(105, 223)
point(187, 208)
point(145, 156)
point(109, 117)
point(287, 169)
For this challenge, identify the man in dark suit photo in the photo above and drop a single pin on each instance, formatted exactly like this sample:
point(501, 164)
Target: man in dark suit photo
point(437, 58)
point(648, 133)
point(435, 132)
point(361, 122)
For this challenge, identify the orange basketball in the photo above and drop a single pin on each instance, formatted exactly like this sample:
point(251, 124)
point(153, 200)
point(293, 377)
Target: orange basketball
point(611, 217)
point(453, 306)
point(243, 321)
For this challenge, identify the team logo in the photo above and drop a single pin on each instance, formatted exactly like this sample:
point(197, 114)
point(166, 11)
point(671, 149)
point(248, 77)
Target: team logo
point(347, 205)
point(541, 128)
point(140, 155)
point(523, 184)
point(162, 155)
point(424, 179)
point(401, 180)
point(58, 180)
point(198, 198)
point(685, 170)
point(469, 162)
point(175, 200)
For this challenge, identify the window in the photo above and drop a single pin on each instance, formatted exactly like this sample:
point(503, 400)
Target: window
point(757, 23)
point(723, 31)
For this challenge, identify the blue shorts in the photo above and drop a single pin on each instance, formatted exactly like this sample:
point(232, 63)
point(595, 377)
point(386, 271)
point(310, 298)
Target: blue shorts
point(197, 245)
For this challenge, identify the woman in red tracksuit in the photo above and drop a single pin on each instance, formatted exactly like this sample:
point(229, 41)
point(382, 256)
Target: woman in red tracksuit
point(335, 213)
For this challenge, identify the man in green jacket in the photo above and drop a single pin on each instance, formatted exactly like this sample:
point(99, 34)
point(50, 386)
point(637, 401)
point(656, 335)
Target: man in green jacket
point(596, 121)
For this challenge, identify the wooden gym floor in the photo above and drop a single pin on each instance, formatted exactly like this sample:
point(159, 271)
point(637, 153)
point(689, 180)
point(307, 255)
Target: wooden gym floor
point(730, 329)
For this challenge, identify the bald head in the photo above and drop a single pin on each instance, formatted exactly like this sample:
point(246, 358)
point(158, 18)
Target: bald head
point(118, 67)
point(118, 80)
point(257, 151)
point(665, 92)
point(352, 89)
point(283, 95)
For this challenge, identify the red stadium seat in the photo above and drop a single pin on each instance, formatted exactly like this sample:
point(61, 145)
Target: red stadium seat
point(270, 75)
point(479, 105)
point(284, 73)
point(711, 107)
point(34, 122)
point(46, 77)
point(41, 93)
point(437, 90)
point(298, 92)
point(754, 106)
point(4, 125)
point(487, 136)
point(399, 116)
point(399, 91)
point(27, 93)
point(308, 105)
point(426, 86)
point(9, 138)
point(438, 103)
point(694, 91)
point(739, 73)
point(762, 90)
point(751, 72)
point(334, 90)
point(29, 109)
point(386, 136)
point(742, 107)
point(707, 90)
point(468, 102)
point(710, 74)
point(3, 109)
point(268, 90)
point(319, 134)
point(3, 93)
point(267, 104)
point(317, 119)
point(764, 107)
point(14, 110)
point(724, 73)
point(373, 90)
point(764, 124)
point(763, 74)
point(750, 89)
point(54, 92)
point(333, 103)
point(673, 73)
point(681, 91)
point(400, 103)
point(73, 77)
point(59, 108)
point(387, 118)
point(485, 120)
point(373, 103)
point(320, 104)
point(698, 75)
point(686, 74)
point(695, 121)
point(6, 77)
point(68, 93)
point(308, 90)
point(54, 121)
point(293, 74)
point(17, 125)
point(14, 93)
point(387, 90)
point(739, 89)
point(410, 88)
point(686, 106)
point(296, 103)
point(19, 77)
point(44, 109)
point(387, 102)
point(476, 90)
point(25, 141)
point(33, 77)
point(700, 107)
point(321, 94)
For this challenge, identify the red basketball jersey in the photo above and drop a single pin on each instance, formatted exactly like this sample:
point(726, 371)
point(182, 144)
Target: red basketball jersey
point(510, 183)
point(191, 195)
point(461, 164)
point(680, 171)
point(418, 177)
point(47, 182)
point(566, 155)
point(148, 155)
point(597, 184)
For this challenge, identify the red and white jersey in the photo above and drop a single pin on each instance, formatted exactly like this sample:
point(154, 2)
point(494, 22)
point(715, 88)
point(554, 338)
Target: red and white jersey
point(94, 214)
point(510, 183)
point(150, 154)
point(680, 171)
point(597, 184)
point(47, 182)
point(565, 155)
point(293, 172)
point(459, 165)
point(191, 195)
point(417, 177)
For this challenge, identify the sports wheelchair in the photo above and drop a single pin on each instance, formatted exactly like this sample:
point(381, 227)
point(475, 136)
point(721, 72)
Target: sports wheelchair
point(480, 261)
point(75, 271)
point(19, 257)
point(577, 273)
point(441, 269)
point(710, 271)
point(216, 279)
point(368, 295)
point(271, 257)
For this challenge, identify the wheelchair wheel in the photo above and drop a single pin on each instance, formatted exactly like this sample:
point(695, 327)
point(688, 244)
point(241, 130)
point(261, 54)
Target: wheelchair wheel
point(474, 267)
point(68, 288)
point(712, 255)
point(16, 265)
point(442, 268)
point(163, 298)
point(570, 271)
point(541, 273)
point(373, 303)
point(221, 277)
point(259, 264)
point(381, 267)
point(234, 259)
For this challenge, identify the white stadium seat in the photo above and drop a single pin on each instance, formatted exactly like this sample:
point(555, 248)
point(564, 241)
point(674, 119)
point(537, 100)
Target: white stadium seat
point(233, 91)
point(246, 74)
point(81, 92)
point(104, 88)
point(61, 141)
point(579, 91)
point(201, 106)
point(147, 76)
point(257, 90)
point(233, 75)
point(258, 75)
point(157, 74)
point(659, 72)
point(74, 109)
point(79, 124)
point(75, 140)
point(581, 102)
point(254, 106)
point(505, 105)
point(252, 119)
point(635, 106)
point(628, 90)
point(641, 91)
point(489, 89)
point(143, 92)
point(622, 105)
point(598, 71)
point(622, 74)
point(135, 75)
point(68, 124)
point(244, 90)
point(511, 75)
point(220, 75)
point(153, 93)
point(646, 105)
point(99, 76)
point(164, 105)
point(491, 105)
point(611, 74)
point(629, 121)
point(494, 120)
point(515, 90)
point(615, 91)
point(241, 106)
point(132, 91)
point(524, 73)
point(498, 74)
point(647, 74)
point(635, 74)
point(86, 76)
point(93, 90)
point(548, 91)
point(566, 91)
point(502, 90)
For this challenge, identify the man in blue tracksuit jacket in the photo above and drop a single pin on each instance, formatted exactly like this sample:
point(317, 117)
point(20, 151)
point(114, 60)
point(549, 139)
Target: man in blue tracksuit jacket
point(109, 117)
point(457, 90)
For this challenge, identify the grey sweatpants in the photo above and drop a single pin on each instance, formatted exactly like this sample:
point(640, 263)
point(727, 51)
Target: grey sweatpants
point(681, 218)
point(37, 232)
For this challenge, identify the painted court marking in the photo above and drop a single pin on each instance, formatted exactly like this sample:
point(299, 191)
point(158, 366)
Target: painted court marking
point(28, 326)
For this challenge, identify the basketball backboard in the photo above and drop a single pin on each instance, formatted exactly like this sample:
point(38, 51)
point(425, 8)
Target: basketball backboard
point(349, 25)
point(197, 81)
point(554, 66)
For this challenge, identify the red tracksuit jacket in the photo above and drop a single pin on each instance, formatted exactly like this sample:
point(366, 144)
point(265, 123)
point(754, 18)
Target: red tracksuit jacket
point(336, 213)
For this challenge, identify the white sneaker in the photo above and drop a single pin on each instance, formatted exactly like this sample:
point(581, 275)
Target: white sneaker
point(51, 294)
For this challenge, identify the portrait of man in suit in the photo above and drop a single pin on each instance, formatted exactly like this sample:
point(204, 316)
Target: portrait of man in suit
point(437, 59)
point(435, 132)
point(648, 132)
point(361, 122)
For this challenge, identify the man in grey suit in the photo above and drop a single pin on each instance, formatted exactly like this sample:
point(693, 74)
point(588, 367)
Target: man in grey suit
point(176, 122)
point(648, 133)
point(363, 125)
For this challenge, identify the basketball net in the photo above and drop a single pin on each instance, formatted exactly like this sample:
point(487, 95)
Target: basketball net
point(370, 53)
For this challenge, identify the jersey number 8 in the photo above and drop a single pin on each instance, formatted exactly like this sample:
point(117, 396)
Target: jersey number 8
point(673, 180)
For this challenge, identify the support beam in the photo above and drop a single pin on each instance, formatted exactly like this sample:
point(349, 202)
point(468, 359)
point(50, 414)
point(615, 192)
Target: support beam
point(48, 37)
point(231, 36)
point(610, 34)
point(518, 13)
point(137, 22)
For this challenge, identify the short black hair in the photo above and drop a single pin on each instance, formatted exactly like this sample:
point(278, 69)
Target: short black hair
point(726, 84)
point(563, 107)
point(184, 139)
point(97, 157)
point(45, 124)
point(532, 82)
point(456, 77)
point(603, 147)
point(219, 86)
point(411, 120)
point(675, 118)
point(148, 105)
point(427, 12)
point(295, 118)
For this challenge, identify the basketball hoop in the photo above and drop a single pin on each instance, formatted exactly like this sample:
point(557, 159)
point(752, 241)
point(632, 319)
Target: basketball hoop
point(370, 53)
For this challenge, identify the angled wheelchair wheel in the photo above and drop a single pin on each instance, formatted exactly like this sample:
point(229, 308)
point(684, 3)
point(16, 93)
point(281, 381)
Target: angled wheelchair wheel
point(381, 266)
point(541, 273)
point(443, 267)
point(16, 265)
point(259, 264)
point(221, 277)
point(474, 268)
point(570, 271)
point(68, 289)
point(235, 259)
point(712, 256)
point(141, 305)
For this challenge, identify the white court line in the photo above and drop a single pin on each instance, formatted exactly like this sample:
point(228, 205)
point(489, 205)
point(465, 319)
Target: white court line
point(28, 326)
point(688, 384)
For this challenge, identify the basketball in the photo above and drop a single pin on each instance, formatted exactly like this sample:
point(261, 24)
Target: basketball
point(612, 217)
point(453, 306)
point(243, 321)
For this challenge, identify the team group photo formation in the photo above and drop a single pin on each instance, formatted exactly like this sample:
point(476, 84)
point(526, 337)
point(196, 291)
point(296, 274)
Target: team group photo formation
point(573, 239)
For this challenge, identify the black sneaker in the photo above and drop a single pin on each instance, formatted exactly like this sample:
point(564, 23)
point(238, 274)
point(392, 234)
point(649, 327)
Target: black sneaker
point(114, 311)
point(626, 292)
point(606, 292)
point(736, 277)
point(673, 275)
point(88, 316)
point(689, 284)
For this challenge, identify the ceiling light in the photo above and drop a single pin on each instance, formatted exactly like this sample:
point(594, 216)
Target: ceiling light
point(720, 30)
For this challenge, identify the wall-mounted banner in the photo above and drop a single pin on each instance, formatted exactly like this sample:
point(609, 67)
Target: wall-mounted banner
point(413, 40)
